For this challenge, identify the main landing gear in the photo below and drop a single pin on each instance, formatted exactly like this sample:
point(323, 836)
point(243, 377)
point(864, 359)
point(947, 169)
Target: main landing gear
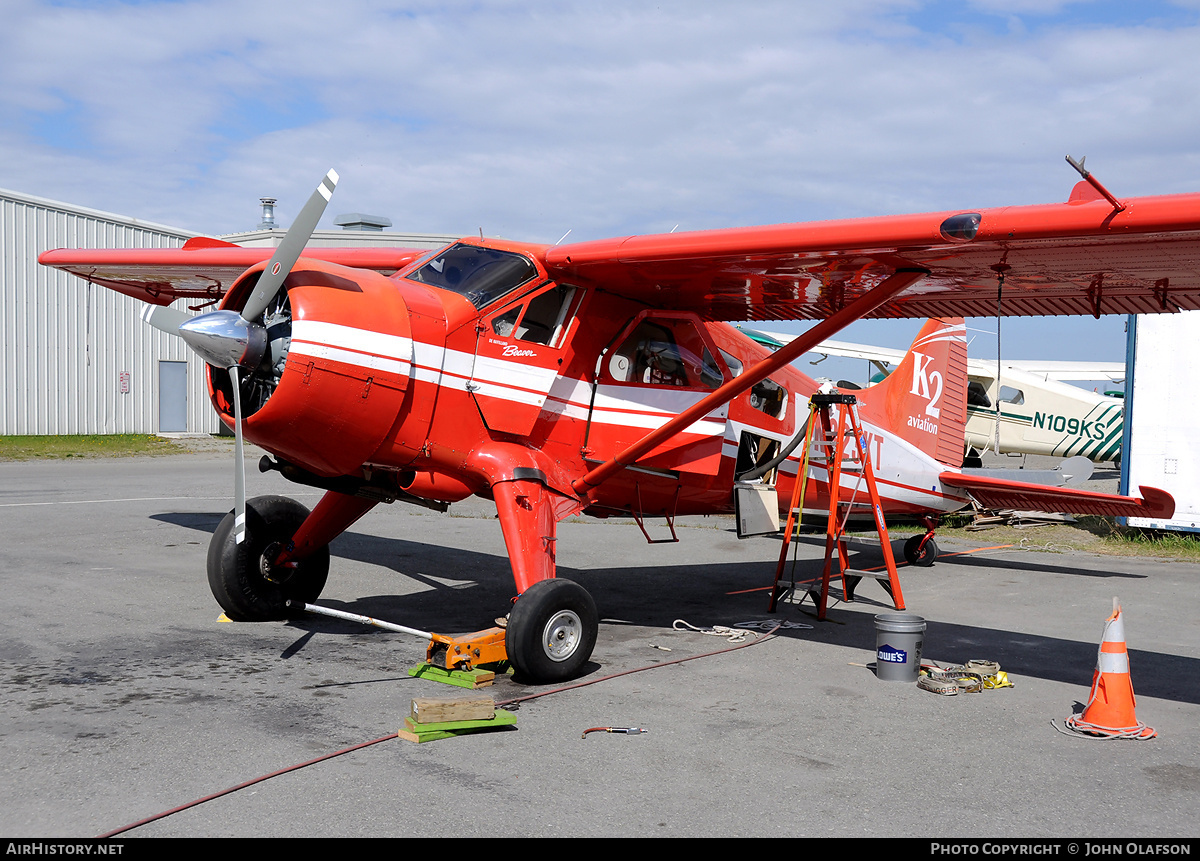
point(240, 575)
point(551, 631)
point(550, 634)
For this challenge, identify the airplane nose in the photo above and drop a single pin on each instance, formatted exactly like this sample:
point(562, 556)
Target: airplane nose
point(225, 338)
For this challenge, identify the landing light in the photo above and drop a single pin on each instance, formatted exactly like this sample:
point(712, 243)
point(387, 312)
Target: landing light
point(961, 228)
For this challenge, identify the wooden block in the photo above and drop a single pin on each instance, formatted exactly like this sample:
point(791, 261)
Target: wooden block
point(426, 710)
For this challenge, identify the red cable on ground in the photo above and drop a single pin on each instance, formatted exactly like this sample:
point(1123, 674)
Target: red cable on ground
point(767, 636)
point(200, 801)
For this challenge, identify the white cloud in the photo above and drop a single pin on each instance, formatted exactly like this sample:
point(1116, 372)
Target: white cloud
point(529, 118)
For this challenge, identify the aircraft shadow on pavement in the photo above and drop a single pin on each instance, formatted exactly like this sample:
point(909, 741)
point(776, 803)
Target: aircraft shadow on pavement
point(467, 589)
point(201, 521)
point(1009, 560)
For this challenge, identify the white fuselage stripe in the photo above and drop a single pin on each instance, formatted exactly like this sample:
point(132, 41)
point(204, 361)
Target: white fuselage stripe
point(363, 348)
point(614, 405)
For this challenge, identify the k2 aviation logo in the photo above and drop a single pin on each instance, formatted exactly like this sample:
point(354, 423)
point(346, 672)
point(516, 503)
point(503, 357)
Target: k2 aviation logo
point(927, 386)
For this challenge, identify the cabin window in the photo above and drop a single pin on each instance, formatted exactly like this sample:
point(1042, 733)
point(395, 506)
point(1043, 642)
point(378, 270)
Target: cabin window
point(767, 396)
point(733, 363)
point(665, 353)
point(480, 275)
point(1009, 395)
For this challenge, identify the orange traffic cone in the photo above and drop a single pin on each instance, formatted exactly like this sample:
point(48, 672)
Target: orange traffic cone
point(1110, 708)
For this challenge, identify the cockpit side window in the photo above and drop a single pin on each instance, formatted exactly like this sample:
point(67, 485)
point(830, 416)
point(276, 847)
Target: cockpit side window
point(541, 318)
point(480, 275)
point(545, 320)
point(977, 395)
point(503, 324)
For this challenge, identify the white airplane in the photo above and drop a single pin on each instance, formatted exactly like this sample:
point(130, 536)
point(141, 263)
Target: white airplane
point(1031, 410)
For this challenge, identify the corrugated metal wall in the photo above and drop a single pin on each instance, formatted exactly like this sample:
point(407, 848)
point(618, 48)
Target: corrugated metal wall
point(68, 348)
point(66, 344)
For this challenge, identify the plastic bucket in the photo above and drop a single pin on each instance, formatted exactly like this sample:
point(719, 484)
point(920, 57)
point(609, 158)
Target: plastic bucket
point(898, 639)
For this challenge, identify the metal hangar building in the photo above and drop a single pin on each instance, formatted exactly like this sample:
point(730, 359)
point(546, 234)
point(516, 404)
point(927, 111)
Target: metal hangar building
point(77, 358)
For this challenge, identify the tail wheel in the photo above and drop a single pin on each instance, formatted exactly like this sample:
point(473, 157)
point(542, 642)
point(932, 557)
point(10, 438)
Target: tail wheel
point(920, 556)
point(236, 571)
point(551, 631)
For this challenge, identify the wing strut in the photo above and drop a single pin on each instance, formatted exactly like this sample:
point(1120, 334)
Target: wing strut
point(895, 283)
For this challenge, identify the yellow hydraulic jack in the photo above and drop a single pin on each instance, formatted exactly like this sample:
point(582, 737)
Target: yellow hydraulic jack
point(466, 652)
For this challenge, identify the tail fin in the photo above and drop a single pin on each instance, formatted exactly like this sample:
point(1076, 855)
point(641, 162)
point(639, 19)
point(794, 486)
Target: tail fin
point(924, 401)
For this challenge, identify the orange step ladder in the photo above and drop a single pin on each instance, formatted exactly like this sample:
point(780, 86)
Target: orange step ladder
point(830, 447)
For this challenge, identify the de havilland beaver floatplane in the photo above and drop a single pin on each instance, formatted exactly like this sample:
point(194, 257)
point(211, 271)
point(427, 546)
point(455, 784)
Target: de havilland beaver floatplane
point(595, 378)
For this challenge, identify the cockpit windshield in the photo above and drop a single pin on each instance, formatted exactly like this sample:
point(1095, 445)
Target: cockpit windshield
point(479, 275)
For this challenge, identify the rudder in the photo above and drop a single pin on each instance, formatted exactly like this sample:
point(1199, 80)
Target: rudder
point(924, 401)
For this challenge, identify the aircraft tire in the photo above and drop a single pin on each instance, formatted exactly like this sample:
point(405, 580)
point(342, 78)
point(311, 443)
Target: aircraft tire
point(234, 572)
point(928, 553)
point(551, 631)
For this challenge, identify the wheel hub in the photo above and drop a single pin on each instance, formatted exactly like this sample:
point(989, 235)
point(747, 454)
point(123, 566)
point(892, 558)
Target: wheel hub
point(267, 568)
point(562, 635)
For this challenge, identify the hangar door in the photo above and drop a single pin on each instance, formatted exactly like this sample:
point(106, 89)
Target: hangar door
point(172, 397)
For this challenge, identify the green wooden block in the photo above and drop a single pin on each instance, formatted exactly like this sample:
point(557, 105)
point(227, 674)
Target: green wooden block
point(423, 732)
point(480, 677)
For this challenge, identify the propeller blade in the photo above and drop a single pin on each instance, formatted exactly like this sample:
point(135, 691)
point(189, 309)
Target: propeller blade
point(239, 458)
point(288, 252)
point(165, 318)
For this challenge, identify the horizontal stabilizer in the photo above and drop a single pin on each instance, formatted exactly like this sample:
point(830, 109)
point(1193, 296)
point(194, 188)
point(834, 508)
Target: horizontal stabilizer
point(1073, 470)
point(1002, 493)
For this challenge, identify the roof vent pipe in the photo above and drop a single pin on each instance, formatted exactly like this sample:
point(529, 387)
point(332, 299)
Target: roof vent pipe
point(268, 213)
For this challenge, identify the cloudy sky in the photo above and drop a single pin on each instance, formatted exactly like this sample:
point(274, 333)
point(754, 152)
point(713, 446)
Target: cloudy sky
point(528, 119)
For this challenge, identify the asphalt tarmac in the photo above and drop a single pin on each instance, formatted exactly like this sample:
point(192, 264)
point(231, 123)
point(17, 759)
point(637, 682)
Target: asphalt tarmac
point(123, 695)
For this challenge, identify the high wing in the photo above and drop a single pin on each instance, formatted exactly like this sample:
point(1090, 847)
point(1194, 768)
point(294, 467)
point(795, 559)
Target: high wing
point(202, 269)
point(1080, 257)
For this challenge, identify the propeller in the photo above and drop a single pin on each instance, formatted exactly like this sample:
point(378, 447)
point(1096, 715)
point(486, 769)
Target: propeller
point(164, 318)
point(288, 252)
point(239, 460)
point(230, 340)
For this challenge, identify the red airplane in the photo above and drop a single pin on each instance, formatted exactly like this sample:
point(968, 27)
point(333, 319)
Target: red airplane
point(592, 378)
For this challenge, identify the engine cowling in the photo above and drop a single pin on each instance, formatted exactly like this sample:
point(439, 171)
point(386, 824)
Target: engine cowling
point(333, 381)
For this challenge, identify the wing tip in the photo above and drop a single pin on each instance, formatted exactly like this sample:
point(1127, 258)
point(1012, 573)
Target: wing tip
point(1157, 503)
